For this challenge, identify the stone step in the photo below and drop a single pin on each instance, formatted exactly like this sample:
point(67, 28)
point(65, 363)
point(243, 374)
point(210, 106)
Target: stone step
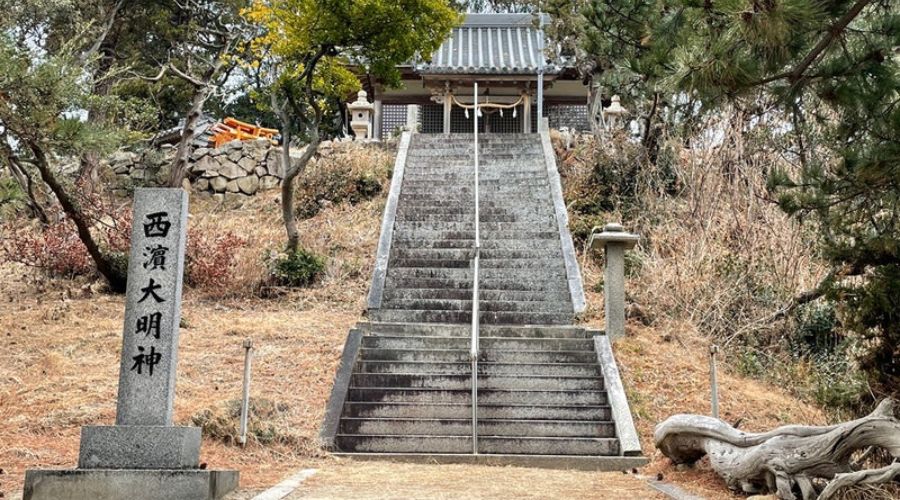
point(500, 331)
point(434, 410)
point(466, 192)
point(531, 217)
point(452, 182)
point(485, 274)
point(493, 201)
point(526, 344)
point(485, 152)
point(392, 293)
point(523, 236)
point(548, 445)
point(463, 175)
point(468, 253)
point(465, 317)
point(463, 427)
point(486, 244)
point(486, 306)
point(545, 264)
point(464, 382)
point(486, 444)
point(464, 396)
point(399, 283)
point(543, 369)
point(487, 355)
point(465, 171)
point(468, 213)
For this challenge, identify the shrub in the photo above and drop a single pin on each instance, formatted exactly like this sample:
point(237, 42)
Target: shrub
point(346, 176)
point(55, 249)
point(210, 259)
point(266, 425)
point(297, 269)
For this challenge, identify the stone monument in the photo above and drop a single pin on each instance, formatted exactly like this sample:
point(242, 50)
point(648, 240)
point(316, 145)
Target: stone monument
point(143, 456)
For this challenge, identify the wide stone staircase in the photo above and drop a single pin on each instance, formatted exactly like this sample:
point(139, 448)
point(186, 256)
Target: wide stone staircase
point(405, 385)
point(430, 275)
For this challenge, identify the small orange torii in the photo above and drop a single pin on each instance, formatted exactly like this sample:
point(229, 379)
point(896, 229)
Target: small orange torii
point(231, 129)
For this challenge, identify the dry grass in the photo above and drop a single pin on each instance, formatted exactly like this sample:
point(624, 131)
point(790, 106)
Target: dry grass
point(59, 362)
point(59, 368)
point(717, 259)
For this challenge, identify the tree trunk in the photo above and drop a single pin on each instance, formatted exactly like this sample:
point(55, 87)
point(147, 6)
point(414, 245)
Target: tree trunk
point(23, 180)
point(782, 459)
point(114, 276)
point(180, 162)
point(291, 171)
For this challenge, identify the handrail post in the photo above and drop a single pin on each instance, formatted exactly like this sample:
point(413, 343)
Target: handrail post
point(474, 349)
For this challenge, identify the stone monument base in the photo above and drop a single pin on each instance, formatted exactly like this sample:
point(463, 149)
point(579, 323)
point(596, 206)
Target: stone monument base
point(139, 447)
point(128, 484)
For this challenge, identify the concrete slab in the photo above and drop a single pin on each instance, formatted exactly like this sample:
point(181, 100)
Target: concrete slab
point(286, 487)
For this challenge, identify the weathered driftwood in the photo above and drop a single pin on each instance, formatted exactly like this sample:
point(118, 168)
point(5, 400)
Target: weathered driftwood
point(870, 476)
point(783, 459)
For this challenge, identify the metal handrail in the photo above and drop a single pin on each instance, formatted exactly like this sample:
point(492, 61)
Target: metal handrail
point(475, 348)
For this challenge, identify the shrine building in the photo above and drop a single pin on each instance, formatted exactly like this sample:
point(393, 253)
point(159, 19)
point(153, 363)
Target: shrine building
point(505, 55)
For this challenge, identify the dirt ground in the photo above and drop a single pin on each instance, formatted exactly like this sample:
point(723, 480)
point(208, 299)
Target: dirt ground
point(59, 352)
point(382, 481)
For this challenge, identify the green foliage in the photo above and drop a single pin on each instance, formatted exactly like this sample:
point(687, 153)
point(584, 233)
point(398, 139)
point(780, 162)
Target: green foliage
point(296, 269)
point(824, 79)
point(12, 198)
point(815, 333)
point(311, 50)
point(337, 183)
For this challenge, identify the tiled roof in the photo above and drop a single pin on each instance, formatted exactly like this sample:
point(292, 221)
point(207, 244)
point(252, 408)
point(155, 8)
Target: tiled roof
point(490, 44)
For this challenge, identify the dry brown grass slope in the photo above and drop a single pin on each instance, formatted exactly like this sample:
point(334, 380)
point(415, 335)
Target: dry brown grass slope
point(59, 353)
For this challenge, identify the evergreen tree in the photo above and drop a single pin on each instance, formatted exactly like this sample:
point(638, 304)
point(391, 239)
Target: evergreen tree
point(834, 68)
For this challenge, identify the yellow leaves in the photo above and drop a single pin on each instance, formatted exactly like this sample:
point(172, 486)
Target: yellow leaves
point(333, 78)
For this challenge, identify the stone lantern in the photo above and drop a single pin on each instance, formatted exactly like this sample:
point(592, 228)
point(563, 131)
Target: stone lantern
point(360, 116)
point(614, 111)
point(614, 240)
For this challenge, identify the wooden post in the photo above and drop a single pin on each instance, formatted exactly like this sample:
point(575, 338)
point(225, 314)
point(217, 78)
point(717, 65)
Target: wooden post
point(377, 131)
point(245, 400)
point(448, 108)
point(713, 380)
point(526, 113)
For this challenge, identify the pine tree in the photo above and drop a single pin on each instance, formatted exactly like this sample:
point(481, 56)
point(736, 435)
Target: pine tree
point(834, 67)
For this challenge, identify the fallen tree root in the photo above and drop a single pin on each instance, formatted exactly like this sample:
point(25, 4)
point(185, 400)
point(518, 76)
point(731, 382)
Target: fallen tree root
point(784, 460)
point(870, 476)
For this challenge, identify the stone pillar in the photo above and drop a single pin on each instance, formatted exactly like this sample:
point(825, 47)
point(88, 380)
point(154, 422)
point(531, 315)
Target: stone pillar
point(412, 117)
point(378, 133)
point(448, 108)
point(615, 241)
point(526, 113)
point(144, 454)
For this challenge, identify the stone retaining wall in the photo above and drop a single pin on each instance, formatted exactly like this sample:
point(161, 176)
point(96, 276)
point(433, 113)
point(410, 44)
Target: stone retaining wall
point(239, 168)
point(236, 167)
